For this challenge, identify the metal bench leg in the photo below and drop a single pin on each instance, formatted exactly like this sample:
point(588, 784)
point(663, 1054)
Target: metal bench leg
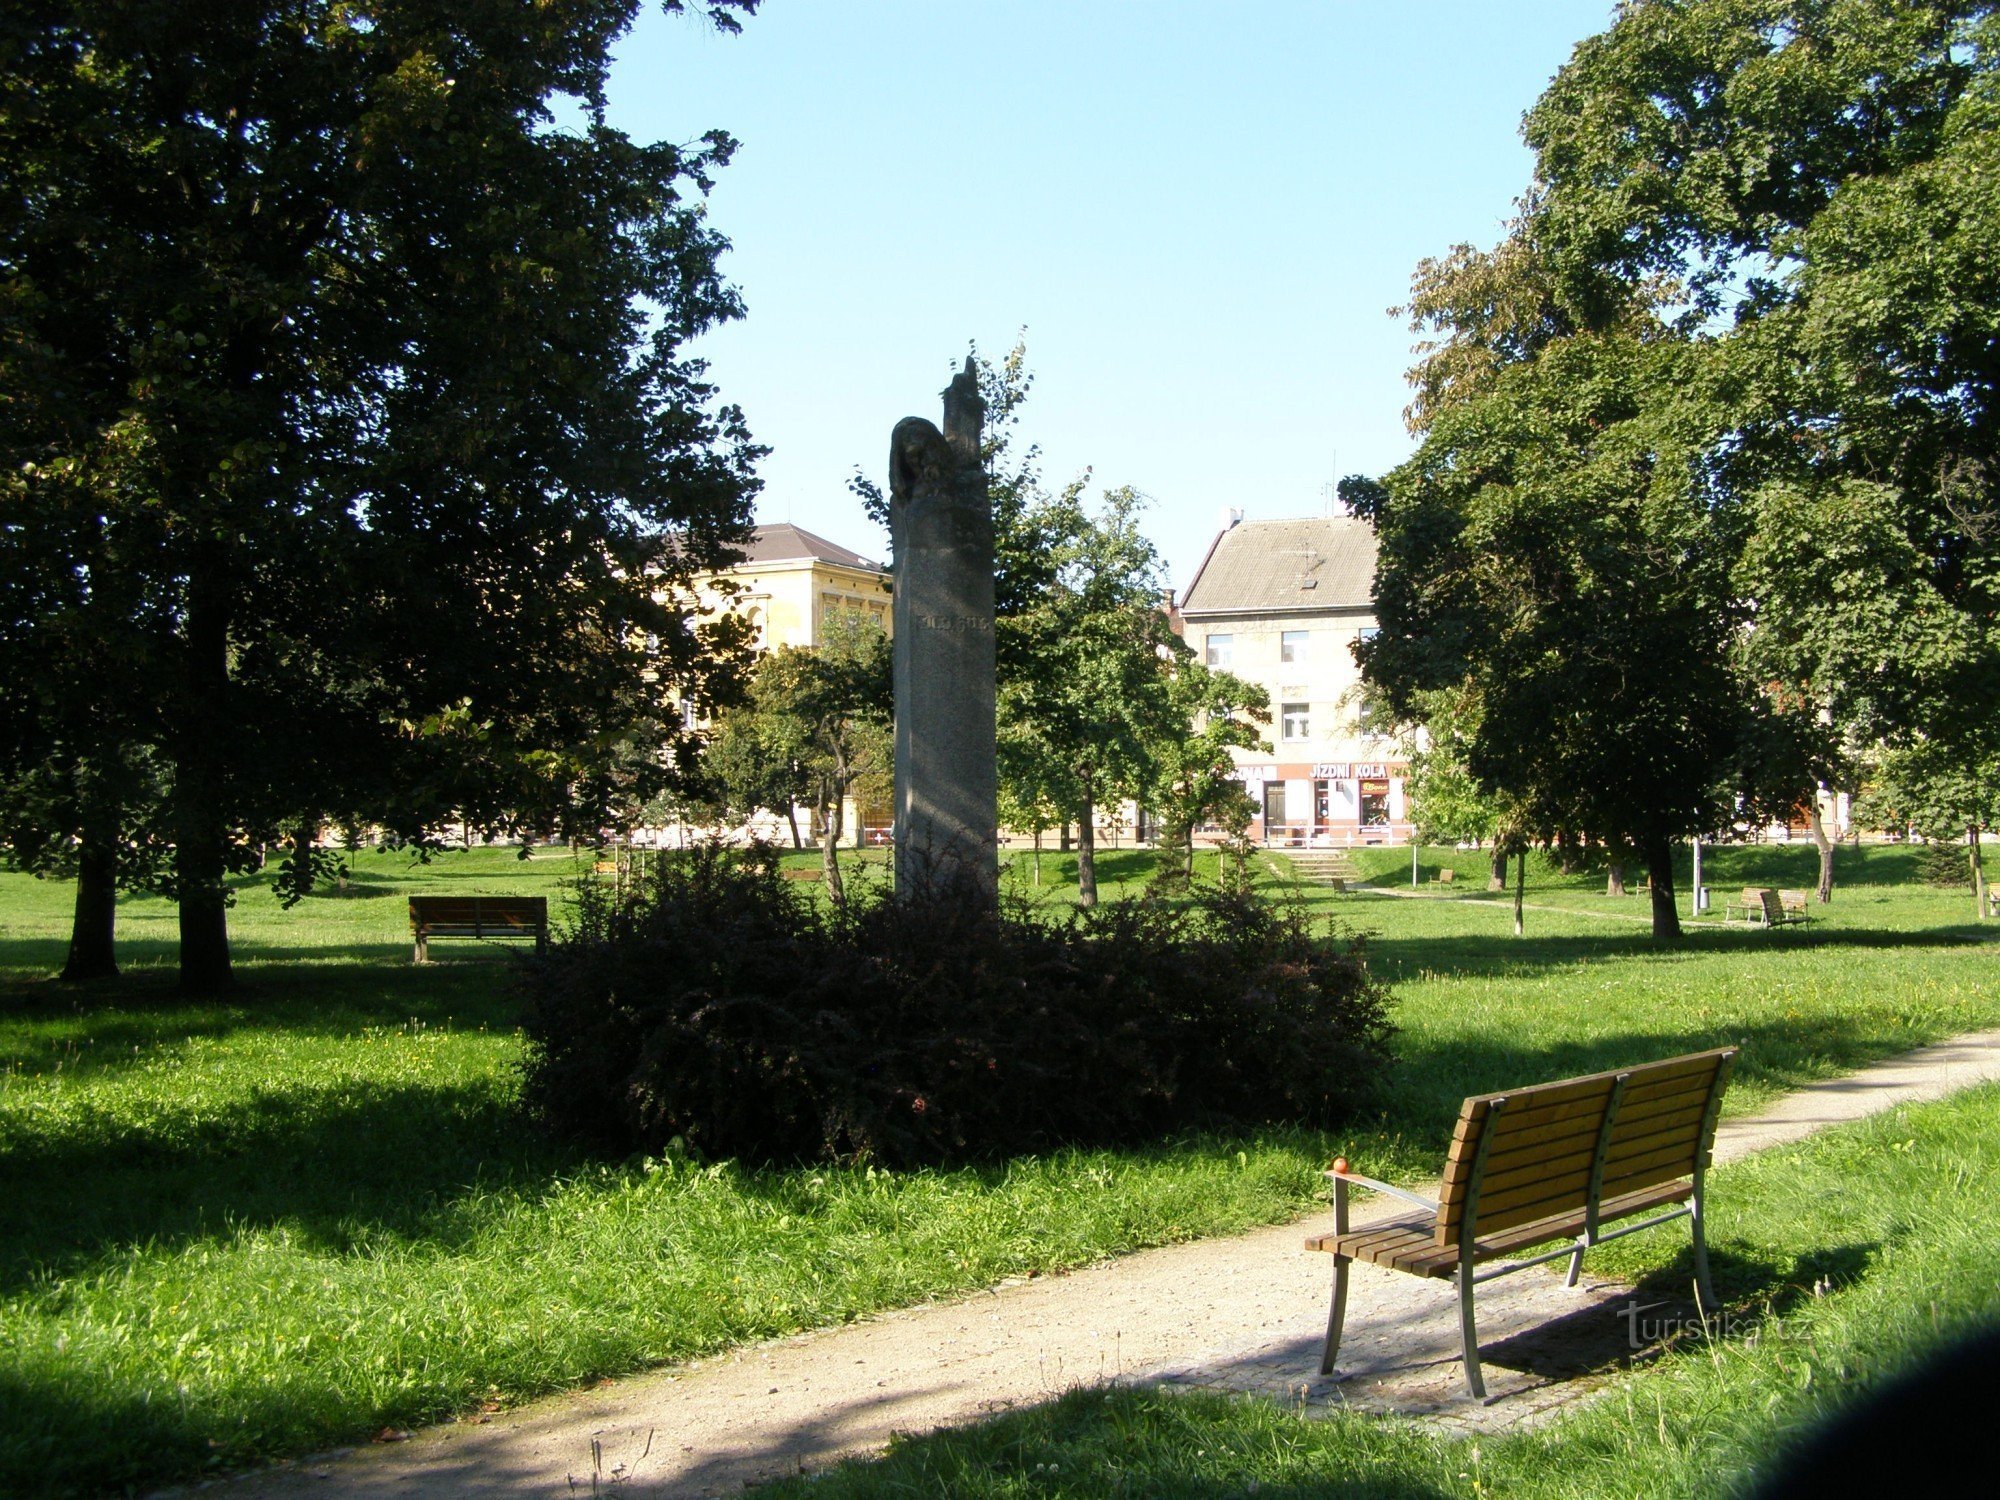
point(1576, 1260)
point(1473, 1380)
point(1703, 1287)
point(1336, 1315)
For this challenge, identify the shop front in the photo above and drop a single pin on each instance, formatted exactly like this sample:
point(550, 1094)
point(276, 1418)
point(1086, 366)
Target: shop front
point(1327, 804)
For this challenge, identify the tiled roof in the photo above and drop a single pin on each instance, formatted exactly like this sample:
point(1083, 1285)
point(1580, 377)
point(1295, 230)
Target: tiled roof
point(788, 543)
point(1326, 562)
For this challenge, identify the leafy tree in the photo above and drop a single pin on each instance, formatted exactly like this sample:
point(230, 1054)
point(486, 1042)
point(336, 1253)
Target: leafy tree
point(1447, 804)
point(1193, 774)
point(1817, 185)
point(371, 381)
point(1545, 551)
point(1090, 697)
point(757, 759)
point(814, 725)
point(1757, 257)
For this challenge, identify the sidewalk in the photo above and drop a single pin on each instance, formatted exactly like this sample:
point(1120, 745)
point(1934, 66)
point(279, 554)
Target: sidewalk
point(1242, 1314)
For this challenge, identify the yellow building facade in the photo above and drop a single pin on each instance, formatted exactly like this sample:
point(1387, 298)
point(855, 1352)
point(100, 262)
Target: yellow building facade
point(791, 582)
point(790, 585)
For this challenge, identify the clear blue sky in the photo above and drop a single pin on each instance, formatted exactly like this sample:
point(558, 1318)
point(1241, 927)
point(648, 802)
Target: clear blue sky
point(1200, 213)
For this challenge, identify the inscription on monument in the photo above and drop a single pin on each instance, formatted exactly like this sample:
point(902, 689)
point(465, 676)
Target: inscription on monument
point(955, 622)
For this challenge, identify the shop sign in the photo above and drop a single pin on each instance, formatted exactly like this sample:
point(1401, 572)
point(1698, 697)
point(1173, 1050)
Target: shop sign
point(1341, 770)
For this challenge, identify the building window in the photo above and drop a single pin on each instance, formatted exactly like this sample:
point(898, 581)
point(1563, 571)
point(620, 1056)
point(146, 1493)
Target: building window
point(1292, 645)
point(1374, 803)
point(1297, 721)
point(1221, 651)
point(1367, 633)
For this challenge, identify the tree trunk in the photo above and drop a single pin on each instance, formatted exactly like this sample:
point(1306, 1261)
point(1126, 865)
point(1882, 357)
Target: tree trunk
point(1978, 872)
point(1660, 866)
point(1614, 879)
point(1497, 880)
point(1062, 838)
point(792, 817)
point(1038, 854)
point(1520, 883)
point(830, 825)
point(93, 926)
point(304, 837)
point(1086, 849)
point(1825, 845)
point(201, 828)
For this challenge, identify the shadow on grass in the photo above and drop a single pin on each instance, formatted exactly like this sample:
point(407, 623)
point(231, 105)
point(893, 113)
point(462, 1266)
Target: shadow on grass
point(108, 1024)
point(1500, 953)
point(1433, 1076)
point(339, 1167)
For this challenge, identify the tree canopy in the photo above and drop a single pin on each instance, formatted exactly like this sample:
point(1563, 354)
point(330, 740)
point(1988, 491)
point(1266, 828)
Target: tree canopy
point(349, 419)
point(1708, 441)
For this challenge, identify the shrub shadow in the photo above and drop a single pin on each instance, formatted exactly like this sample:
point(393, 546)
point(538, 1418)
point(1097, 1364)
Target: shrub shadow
point(336, 1171)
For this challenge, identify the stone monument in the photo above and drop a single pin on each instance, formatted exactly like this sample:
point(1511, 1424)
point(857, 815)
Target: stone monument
point(941, 526)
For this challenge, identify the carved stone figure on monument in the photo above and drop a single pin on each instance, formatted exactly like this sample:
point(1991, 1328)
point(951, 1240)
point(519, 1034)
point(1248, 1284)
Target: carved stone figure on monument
point(941, 526)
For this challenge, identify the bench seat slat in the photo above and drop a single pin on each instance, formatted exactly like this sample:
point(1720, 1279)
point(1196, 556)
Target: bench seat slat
point(1406, 1244)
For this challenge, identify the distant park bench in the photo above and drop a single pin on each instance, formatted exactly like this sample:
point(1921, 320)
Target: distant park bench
point(483, 917)
point(1762, 906)
point(1446, 876)
point(1555, 1161)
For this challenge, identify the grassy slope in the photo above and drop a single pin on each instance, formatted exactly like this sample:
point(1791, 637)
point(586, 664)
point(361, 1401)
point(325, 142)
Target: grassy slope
point(235, 1231)
point(1849, 1289)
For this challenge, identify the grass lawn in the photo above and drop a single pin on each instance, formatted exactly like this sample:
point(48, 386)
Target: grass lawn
point(1900, 1270)
point(233, 1231)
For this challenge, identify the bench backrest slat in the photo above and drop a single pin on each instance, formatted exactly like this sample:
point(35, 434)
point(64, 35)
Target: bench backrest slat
point(479, 911)
point(1543, 1151)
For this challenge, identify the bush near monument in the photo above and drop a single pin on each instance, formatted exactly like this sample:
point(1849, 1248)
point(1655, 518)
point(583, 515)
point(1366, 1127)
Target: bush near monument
point(720, 1009)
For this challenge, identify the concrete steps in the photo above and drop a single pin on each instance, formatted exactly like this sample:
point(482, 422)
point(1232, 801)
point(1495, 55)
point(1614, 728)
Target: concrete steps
point(1320, 866)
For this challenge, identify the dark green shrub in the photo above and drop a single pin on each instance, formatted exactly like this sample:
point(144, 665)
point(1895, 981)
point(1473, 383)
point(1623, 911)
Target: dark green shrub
point(1945, 864)
point(720, 1008)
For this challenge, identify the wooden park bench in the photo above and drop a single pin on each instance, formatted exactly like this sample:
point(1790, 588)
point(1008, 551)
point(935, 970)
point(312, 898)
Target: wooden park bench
point(483, 917)
point(1764, 907)
point(1446, 876)
point(1556, 1161)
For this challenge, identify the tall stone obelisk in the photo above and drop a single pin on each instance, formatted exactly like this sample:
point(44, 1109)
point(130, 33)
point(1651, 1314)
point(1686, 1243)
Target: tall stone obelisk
point(941, 526)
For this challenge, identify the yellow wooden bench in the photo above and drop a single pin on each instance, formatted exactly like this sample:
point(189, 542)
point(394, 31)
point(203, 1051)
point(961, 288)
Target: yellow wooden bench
point(1556, 1161)
point(484, 917)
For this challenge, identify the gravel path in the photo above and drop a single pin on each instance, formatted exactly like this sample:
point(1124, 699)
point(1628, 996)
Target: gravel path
point(1242, 1314)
